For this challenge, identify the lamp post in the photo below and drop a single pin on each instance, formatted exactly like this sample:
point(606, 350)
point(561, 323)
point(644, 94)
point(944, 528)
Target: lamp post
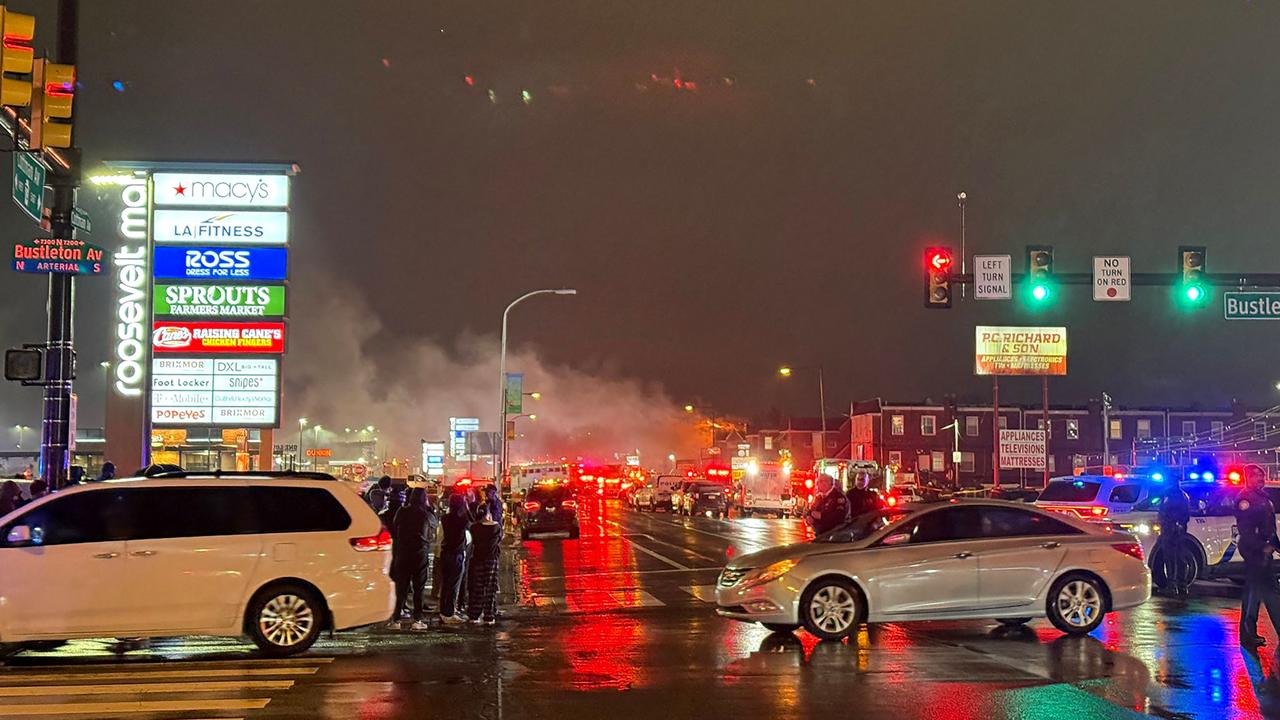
point(787, 371)
point(22, 431)
point(297, 454)
point(502, 374)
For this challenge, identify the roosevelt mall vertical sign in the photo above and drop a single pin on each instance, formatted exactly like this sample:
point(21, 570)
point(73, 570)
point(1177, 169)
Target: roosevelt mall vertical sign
point(201, 303)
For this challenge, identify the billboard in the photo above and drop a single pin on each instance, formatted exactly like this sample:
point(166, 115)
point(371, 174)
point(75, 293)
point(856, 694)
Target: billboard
point(221, 263)
point(199, 337)
point(220, 301)
point(221, 190)
point(433, 458)
point(227, 227)
point(234, 392)
point(1022, 449)
point(1020, 350)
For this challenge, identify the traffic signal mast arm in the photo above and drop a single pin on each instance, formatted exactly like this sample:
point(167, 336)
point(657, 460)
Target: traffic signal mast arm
point(1237, 280)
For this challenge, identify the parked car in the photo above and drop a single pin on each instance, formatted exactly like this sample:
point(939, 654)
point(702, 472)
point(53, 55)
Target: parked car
point(548, 507)
point(657, 495)
point(970, 559)
point(705, 498)
point(280, 557)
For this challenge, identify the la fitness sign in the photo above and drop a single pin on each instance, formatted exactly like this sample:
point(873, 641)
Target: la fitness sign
point(133, 285)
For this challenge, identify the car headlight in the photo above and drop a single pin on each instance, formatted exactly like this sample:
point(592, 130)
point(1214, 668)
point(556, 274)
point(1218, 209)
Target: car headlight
point(768, 573)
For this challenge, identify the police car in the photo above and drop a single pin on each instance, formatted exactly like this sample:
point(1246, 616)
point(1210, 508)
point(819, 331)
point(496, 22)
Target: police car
point(1131, 503)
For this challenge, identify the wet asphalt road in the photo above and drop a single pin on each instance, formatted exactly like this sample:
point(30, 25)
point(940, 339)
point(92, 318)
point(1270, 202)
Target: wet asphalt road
point(617, 625)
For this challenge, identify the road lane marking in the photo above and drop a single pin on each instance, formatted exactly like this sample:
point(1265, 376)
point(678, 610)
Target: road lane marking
point(144, 688)
point(134, 706)
point(708, 558)
point(17, 676)
point(651, 553)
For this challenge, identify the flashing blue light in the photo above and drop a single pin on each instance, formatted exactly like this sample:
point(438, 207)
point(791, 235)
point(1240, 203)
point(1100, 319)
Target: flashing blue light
point(117, 86)
point(1078, 483)
point(1194, 476)
point(1158, 477)
point(1208, 477)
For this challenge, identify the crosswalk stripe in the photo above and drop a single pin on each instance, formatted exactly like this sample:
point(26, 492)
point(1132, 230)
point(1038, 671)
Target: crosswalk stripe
point(133, 706)
point(144, 688)
point(12, 677)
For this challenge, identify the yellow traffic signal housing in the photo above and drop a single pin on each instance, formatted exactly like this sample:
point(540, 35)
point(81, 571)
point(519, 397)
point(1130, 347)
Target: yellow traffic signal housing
point(16, 57)
point(53, 92)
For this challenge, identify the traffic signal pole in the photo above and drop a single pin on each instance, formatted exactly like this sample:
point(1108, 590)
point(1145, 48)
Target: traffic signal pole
point(60, 343)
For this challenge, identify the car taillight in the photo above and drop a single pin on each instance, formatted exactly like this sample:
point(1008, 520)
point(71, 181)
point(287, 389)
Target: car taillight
point(381, 541)
point(891, 501)
point(1099, 511)
point(571, 504)
point(532, 506)
point(1130, 549)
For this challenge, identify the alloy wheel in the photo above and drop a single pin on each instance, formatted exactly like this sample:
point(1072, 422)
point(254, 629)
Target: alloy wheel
point(1079, 603)
point(833, 609)
point(286, 620)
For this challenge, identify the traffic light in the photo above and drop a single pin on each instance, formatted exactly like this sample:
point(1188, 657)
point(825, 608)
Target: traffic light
point(1040, 272)
point(937, 266)
point(16, 57)
point(1191, 283)
point(53, 89)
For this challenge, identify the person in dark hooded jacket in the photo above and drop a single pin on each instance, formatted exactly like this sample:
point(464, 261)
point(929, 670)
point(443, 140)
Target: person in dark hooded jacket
point(452, 546)
point(413, 533)
point(482, 575)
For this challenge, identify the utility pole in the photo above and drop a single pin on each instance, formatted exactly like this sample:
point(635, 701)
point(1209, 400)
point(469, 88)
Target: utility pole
point(60, 339)
point(961, 198)
point(1106, 429)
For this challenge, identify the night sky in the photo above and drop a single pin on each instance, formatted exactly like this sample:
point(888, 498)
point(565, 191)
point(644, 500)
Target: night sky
point(728, 185)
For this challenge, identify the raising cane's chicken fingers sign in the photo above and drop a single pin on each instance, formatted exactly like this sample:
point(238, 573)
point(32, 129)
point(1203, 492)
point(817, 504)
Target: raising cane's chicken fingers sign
point(266, 338)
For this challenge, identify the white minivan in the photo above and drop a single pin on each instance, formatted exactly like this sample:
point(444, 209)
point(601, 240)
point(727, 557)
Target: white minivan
point(279, 557)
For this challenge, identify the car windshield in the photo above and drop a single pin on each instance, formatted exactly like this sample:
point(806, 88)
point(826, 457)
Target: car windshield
point(862, 527)
point(1070, 491)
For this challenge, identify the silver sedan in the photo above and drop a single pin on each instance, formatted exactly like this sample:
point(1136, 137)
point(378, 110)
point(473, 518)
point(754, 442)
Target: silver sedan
point(980, 559)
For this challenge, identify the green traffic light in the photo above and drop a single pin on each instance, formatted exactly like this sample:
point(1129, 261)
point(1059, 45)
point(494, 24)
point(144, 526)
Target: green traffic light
point(1040, 292)
point(1194, 293)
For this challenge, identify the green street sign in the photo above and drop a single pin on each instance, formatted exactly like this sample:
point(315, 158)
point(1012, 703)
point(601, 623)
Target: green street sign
point(1251, 305)
point(80, 220)
point(220, 301)
point(515, 393)
point(28, 185)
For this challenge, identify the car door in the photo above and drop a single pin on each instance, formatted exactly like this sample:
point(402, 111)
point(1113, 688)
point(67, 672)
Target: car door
point(69, 579)
point(190, 555)
point(1020, 552)
point(928, 565)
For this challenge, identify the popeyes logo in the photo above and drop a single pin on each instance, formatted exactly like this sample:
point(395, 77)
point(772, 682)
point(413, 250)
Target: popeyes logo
point(171, 337)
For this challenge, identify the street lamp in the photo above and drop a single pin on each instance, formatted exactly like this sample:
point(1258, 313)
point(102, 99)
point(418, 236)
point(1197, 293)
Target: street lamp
point(689, 409)
point(534, 395)
point(787, 371)
point(22, 431)
point(502, 372)
point(297, 454)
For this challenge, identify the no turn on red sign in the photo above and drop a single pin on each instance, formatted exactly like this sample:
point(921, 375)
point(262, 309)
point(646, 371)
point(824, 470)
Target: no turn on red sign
point(1111, 279)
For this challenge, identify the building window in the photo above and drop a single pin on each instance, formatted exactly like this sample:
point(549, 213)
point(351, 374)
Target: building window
point(1259, 429)
point(897, 425)
point(928, 425)
point(939, 464)
point(971, 426)
point(1144, 429)
point(966, 462)
point(1115, 432)
point(1073, 429)
point(923, 463)
point(1004, 422)
point(1215, 429)
point(1188, 428)
point(1053, 466)
point(895, 458)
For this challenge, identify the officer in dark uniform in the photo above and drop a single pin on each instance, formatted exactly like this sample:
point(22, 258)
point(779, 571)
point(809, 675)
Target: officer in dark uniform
point(862, 499)
point(830, 509)
point(1175, 513)
point(1256, 523)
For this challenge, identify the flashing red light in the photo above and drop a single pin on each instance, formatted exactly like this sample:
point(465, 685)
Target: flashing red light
point(1130, 549)
point(1108, 470)
point(532, 506)
point(569, 504)
point(891, 501)
point(808, 484)
point(1234, 476)
point(370, 543)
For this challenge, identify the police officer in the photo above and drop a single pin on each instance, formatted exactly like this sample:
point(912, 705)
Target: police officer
point(862, 499)
point(1256, 522)
point(1175, 513)
point(830, 509)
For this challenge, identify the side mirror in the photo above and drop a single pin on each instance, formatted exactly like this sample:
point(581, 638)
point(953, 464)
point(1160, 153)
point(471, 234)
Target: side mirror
point(896, 539)
point(20, 535)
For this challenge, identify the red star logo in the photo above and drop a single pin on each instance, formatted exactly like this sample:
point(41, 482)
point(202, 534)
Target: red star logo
point(180, 189)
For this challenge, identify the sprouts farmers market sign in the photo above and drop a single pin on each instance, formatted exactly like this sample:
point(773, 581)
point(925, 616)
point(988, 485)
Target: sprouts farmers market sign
point(175, 336)
point(220, 301)
point(1021, 350)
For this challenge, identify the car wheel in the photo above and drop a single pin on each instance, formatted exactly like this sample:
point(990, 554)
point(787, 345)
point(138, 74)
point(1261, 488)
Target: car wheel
point(1076, 604)
point(780, 627)
point(1013, 622)
point(831, 608)
point(285, 619)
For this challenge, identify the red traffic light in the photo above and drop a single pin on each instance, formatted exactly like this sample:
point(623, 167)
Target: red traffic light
point(939, 260)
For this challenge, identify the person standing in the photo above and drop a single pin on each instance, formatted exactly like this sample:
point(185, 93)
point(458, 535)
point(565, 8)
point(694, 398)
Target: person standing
point(378, 495)
point(10, 497)
point(39, 488)
point(452, 546)
point(1256, 522)
point(1174, 514)
point(413, 533)
point(830, 509)
point(486, 539)
point(862, 499)
point(108, 472)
